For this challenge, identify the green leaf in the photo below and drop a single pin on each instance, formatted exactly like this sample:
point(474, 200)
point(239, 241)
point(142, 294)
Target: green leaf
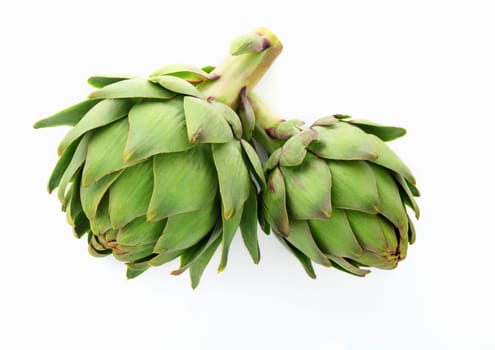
point(347, 266)
point(183, 182)
point(185, 230)
point(386, 133)
point(308, 189)
point(130, 194)
point(75, 215)
point(391, 202)
point(249, 225)
point(91, 196)
point(208, 69)
point(101, 222)
point(390, 234)
point(132, 88)
point(343, 141)
point(106, 152)
point(61, 166)
point(230, 116)
point(326, 121)
point(140, 232)
point(199, 265)
point(75, 164)
point(354, 186)
point(274, 203)
point(250, 43)
point(156, 127)
point(164, 258)
point(255, 162)
point(183, 71)
point(233, 176)
point(301, 238)
point(286, 129)
point(95, 248)
point(190, 255)
point(368, 231)
point(294, 150)
point(133, 253)
point(136, 269)
point(303, 259)
point(104, 113)
point(69, 116)
point(205, 124)
point(409, 195)
point(177, 85)
point(412, 232)
point(229, 228)
point(246, 114)
point(335, 236)
point(388, 159)
point(99, 81)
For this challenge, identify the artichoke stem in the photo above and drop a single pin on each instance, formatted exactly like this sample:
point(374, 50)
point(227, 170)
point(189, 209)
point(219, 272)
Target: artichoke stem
point(266, 121)
point(243, 70)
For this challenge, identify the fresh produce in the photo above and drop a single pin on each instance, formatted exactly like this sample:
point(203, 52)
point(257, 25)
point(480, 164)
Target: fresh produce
point(171, 166)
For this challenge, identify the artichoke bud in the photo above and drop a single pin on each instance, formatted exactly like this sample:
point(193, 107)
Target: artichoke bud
point(154, 169)
point(337, 194)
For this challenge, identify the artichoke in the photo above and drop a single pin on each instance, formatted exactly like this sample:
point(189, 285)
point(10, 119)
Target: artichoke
point(156, 169)
point(336, 193)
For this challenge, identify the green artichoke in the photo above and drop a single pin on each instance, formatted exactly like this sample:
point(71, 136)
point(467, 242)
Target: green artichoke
point(336, 193)
point(156, 169)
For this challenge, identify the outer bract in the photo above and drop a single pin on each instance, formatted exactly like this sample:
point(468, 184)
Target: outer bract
point(336, 195)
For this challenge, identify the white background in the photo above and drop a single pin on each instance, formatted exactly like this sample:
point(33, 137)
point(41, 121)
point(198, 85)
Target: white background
point(425, 65)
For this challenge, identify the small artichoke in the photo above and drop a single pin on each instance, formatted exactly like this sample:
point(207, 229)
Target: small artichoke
point(155, 169)
point(336, 193)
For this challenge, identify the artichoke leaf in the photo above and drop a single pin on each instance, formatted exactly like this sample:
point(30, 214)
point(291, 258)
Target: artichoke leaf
point(308, 189)
point(91, 196)
point(187, 72)
point(301, 257)
point(140, 232)
point(233, 176)
point(132, 88)
point(74, 166)
point(249, 225)
point(386, 133)
point(343, 141)
point(185, 230)
point(69, 116)
point(294, 150)
point(99, 81)
point(205, 124)
point(156, 127)
point(199, 265)
point(347, 266)
point(183, 182)
point(354, 186)
point(106, 152)
point(230, 116)
point(335, 236)
point(255, 162)
point(103, 113)
point(300, 237)
point(391, 202)
point(388, 159)
point(229, 228)
point(130, 194)
point(61, 166)
point(274, 203)
point(177, 85)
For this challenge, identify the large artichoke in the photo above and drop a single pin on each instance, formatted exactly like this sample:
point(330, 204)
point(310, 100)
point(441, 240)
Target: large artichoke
point(155, 169)
point(336, 193)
